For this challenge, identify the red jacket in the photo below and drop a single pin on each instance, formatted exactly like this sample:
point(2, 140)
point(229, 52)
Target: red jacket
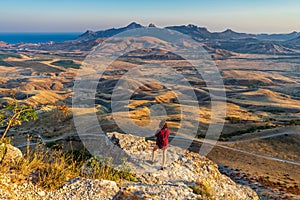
point(162, 137)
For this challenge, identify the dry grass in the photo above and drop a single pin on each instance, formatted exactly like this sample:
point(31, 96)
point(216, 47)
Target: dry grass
point(50, 169)
point(204, 189)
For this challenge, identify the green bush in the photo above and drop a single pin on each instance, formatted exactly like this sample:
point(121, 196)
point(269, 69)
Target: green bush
point(294, 122)
point(251, 129)
point(12, 55)
point(103, 169)
point(233, 120)
point(15, 113)
point(66, 64)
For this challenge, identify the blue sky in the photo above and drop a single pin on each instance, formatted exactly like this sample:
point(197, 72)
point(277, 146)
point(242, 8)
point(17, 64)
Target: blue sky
point(217, 15)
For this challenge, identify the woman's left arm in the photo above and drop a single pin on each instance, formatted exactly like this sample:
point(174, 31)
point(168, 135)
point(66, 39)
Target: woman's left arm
point(168, 132)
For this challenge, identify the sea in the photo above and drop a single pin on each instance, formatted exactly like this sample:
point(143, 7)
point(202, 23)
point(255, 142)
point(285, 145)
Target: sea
point(15, 38)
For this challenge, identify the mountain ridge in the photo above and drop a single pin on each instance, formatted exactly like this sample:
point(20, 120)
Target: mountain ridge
point(196, 31)
point(229, 40)
point(106, 33)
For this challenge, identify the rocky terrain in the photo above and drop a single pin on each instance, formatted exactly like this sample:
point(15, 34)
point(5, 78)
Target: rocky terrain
point(187, 176)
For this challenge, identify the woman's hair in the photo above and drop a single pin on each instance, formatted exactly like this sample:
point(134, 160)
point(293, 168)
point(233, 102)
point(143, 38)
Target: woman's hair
point(163, 124)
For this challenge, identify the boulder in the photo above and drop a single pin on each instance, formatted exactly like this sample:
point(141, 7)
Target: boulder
point(9, 153)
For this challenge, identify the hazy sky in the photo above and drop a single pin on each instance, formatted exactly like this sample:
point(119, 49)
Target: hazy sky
point(217, 15)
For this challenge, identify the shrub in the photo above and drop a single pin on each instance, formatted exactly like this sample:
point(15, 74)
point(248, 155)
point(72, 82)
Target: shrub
point(51, 169)
point(66, 64)
point(103, 169)
point(4, 56)
point(251, 129)
point(233, 120)
point(203, 188)
point(14, 113)
point(294, 122)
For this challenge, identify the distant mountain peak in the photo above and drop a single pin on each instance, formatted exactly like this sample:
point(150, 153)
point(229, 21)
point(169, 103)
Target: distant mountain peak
point(89, 31)
point(192, 26)
point(229, 31)
point(134, 25)
point(89, 34)
point(151, 25)
point(192, 30)
point(253, 41)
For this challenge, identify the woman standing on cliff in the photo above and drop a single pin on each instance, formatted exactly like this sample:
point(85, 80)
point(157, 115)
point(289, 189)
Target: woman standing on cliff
point(162, 142)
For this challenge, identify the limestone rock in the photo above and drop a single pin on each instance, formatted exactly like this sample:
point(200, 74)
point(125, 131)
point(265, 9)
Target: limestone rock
point(82, 188)
point(9, 153)
point(188, 168)
point(157, 192)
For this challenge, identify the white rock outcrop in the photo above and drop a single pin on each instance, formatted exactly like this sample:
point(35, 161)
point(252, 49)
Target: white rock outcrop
point(187, 176)
point(184, 170)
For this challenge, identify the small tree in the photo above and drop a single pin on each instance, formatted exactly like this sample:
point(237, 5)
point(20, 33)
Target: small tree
point(14, 113)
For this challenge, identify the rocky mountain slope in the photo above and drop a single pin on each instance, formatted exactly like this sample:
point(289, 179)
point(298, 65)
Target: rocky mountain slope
point(187, 176)
point(294, 43)
point(88, 35)
point(192, 30)
point(281, 44)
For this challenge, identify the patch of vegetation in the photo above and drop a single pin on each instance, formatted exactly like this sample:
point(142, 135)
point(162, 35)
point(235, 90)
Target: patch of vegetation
point(198, 190)
point(5, 64)
point(201, 135)
point(41, 59)
point(255, 85)
point(66, 64)
point(275, 111)
point(233, 120)
point(103, 169)
point(53, 145)
point(12, 55)
point(131, 60)
point(203, 189)
point(50, 168)
point(294, 123)
point(36, 66)
point(252, 129)
point(270, 119)
point(2, 151)
point(79, 155)
point(13, 113)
